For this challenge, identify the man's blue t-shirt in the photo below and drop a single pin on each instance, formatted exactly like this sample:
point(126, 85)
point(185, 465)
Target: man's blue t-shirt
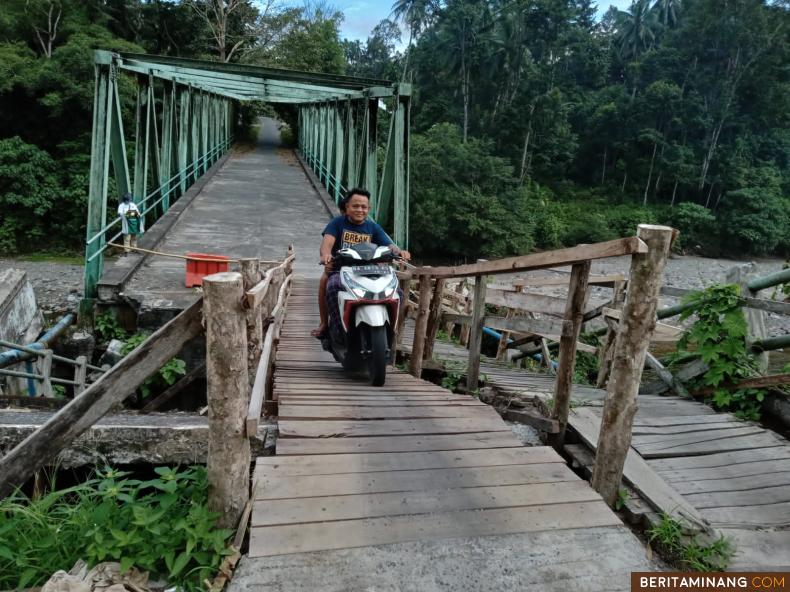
point(347, 233)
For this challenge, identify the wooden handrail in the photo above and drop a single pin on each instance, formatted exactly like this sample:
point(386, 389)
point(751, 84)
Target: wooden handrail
point(262, 373)
point(560, 257)
point(255, 295)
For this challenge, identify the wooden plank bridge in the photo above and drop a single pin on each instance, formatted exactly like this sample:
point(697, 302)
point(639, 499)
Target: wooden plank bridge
point(734, 474)
point(410, 463)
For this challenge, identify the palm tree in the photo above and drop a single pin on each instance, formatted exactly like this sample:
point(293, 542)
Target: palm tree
point(415, 14)
point(636, 29)
point(667, 11)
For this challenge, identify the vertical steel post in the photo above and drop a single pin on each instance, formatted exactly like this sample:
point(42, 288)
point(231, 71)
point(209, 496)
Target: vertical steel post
point(97, 192)
point(141, 140)
point(350, 176)
point(153, 143)
point(168, 111)
point(183, 135)
point(371, 155)
point(339, 152)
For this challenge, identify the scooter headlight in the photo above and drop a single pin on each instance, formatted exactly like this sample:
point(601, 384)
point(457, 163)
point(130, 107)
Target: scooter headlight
point(392, 286)
point(356, 289)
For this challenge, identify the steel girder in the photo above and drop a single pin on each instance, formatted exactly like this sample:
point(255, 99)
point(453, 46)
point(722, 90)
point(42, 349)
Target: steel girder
point(184, 118)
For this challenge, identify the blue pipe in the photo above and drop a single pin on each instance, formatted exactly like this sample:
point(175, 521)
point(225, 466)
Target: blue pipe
point(31, 385)
point(15, 356)
point(537, 357)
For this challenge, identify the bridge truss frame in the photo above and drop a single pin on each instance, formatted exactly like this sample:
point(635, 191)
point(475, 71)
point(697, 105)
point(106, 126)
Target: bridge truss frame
point(185, 117)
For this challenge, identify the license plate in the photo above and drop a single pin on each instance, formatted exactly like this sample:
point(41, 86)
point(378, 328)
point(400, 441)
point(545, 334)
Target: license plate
point(370, 269)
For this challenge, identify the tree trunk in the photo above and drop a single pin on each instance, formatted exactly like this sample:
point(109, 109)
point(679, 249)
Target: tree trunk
point(650, 173)
point(674, 192)
point(625, 178)
point(603, 166)
point(408, 52)
point(710, 191)
point(525, 152)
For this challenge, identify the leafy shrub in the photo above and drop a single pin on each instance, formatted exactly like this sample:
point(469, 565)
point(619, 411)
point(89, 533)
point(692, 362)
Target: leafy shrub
point(755, 220)
point(719, 338)
point(167, 375)
point(696, 223)
point(161, 525)
point(465, 201)
point(28, 192)
point(107, 327)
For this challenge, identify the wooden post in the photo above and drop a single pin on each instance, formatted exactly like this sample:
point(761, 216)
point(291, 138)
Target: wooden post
point(420, 326)
point(607, 349)
point(227, 378)
point(405, 288)
point(502, 347)
point(251, 275)
point(449, 326)
point(574, 312)
point(636, 326)
point(546, 354)
point(45, 369)
point(476, 334)
point(434, 317)
point(755, 319)
point(80, 370)
point(467, 309)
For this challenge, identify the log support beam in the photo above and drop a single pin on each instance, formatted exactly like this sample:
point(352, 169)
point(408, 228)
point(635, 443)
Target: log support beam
point(633, 338)
point(228, 394)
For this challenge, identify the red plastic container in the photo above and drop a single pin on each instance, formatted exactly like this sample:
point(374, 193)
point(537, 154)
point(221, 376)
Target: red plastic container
point(197, 270)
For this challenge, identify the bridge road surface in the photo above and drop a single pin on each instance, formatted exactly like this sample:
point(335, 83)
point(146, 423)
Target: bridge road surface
point(257, 204)
point(410, 487)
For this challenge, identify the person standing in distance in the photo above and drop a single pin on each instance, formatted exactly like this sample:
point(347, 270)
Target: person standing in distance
point(131, 221)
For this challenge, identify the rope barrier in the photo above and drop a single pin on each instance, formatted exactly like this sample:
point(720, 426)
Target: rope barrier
point(176, 256)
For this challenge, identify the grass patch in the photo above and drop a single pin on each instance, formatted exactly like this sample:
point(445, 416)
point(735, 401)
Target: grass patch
point(688, 551)
point(45, 257)
point(161, 525)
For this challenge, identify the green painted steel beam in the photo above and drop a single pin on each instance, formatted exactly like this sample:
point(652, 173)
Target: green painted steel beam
point(97, 191)
point(224, 79)
point(261, 71)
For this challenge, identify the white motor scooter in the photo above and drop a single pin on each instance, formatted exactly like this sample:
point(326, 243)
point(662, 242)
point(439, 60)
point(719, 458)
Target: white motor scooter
point(368, 305)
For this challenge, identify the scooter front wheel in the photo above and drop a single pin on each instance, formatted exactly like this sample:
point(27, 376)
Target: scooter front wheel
point(377, 360)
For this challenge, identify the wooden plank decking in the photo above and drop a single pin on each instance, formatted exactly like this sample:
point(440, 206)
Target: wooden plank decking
point(734, 474)
point(358, 466)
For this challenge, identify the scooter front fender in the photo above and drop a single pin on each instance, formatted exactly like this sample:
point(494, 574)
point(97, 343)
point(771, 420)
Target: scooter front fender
point(374, 315)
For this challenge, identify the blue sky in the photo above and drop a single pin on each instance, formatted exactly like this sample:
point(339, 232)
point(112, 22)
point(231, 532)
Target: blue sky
point(363, 15)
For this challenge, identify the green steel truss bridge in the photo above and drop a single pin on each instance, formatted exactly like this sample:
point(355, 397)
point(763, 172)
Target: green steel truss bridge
point(185, 116)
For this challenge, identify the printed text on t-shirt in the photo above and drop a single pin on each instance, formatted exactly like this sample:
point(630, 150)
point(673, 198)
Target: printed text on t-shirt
point(351, 238)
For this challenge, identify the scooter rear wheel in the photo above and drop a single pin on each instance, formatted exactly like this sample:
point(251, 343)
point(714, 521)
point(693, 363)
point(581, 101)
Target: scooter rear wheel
point(377, 360)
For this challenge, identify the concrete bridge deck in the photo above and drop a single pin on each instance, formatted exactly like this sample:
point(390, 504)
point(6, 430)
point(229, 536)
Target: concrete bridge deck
point(411, 487)
point(255, 205)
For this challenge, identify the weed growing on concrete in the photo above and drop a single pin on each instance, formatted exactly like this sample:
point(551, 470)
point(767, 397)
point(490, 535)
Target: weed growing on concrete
point(107, 327)
point(687, 550)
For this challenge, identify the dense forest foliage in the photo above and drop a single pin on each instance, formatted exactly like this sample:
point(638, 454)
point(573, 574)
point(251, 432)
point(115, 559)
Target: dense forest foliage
point(534, 123)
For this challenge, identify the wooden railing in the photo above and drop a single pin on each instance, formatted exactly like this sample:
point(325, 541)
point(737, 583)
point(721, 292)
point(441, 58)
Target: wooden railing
point(243, 315)
point(648, 251)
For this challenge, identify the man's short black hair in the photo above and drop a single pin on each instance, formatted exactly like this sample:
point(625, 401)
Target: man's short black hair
point(357, 191)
